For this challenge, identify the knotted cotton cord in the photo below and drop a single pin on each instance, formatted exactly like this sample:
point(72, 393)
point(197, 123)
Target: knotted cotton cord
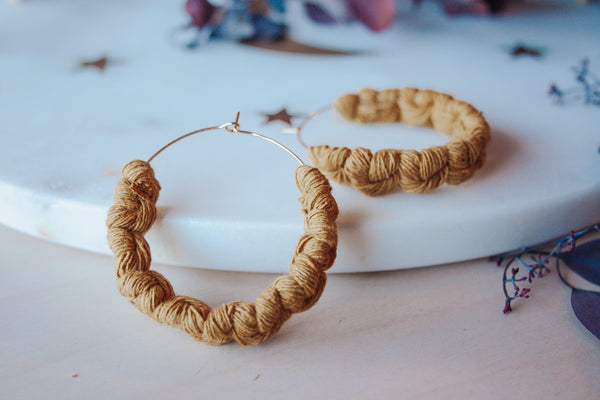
point(409, 170)
point(134, 212)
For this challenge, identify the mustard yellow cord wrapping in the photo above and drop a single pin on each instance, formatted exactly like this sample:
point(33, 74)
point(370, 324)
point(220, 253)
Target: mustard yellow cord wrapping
point(409, 170)
point(134, 212)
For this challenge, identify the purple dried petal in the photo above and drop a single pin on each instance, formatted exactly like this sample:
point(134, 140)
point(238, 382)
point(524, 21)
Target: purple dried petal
point(586, 306)
point(507, 307)
point(317, 13)
point(496, 5)
point(456, 7)
point(377, 15)
point(201, 11)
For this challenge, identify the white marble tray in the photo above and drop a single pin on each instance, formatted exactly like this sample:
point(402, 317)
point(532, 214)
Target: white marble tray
point(230, 202)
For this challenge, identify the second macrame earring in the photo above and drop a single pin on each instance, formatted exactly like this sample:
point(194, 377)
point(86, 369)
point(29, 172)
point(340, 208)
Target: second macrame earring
point(409, 170)
point(134, 213)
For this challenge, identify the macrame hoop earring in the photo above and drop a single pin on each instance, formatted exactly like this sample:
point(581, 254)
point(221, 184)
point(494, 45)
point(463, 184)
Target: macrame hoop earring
point(134, 212)
point(409, 170)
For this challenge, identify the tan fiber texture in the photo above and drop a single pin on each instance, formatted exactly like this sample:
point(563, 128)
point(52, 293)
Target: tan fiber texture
point(409, 170)
point(134, 212)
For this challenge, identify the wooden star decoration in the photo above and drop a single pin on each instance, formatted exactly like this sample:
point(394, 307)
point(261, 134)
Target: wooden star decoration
point(287, 45)
point(523, 50)
point(101, 63)
point(281, 115)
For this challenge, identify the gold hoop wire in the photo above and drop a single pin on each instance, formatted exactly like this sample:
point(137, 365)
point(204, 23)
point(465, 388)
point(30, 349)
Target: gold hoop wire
point(134, 213)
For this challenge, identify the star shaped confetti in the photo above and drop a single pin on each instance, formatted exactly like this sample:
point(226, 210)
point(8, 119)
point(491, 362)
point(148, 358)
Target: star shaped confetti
point(100, 63)
point(523, 50)
point(281, 115)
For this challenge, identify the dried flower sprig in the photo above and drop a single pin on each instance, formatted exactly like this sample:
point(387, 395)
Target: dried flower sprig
point(588, 86)
point(265, 20)
point(236, 20)
point(532, 262)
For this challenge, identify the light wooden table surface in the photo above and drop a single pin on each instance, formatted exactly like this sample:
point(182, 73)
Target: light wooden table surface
point(435, 332)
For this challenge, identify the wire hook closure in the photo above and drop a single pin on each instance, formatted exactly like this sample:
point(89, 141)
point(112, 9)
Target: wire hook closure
point(232, 127)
